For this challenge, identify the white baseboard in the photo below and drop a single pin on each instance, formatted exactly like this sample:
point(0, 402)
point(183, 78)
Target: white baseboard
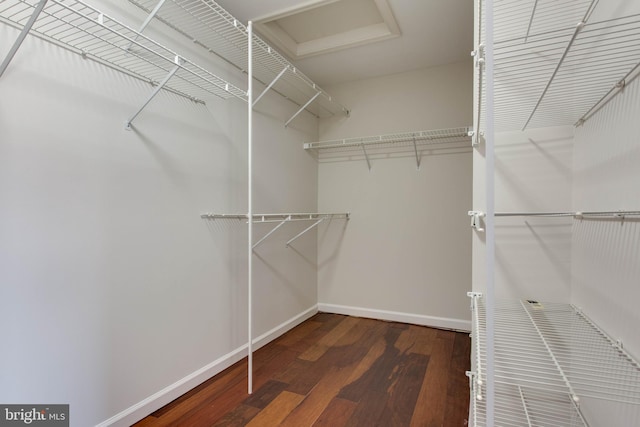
point(279, 330)
point(416, 319)
point(180, 387)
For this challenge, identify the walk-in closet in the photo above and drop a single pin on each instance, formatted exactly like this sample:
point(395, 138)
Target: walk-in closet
point(325, 212)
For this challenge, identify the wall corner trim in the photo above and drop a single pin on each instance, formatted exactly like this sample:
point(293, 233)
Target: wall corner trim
point(416, 319)
point(157, 400)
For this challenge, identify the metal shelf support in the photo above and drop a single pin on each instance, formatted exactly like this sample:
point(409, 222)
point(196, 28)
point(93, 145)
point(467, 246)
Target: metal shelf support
point(366, 156)
point(146, 22)
point(273, 230)
point(302, 108)
point(415, 149)
point(315, 224)
point(178, 62)
point(23, 34)
point(270, 85)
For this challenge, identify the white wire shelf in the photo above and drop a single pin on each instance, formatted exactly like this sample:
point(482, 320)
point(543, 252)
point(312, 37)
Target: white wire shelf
point(552, 71)
point(425, 137)
point(209, 25)
point(85, 30)
point(550, 349)
point(410, 141)
point(276, 217)
point(281, 219)
point(522, 407)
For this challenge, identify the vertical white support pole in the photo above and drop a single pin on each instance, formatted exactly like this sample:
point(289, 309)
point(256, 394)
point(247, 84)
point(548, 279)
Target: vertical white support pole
point(489, 219)
point(250, 208)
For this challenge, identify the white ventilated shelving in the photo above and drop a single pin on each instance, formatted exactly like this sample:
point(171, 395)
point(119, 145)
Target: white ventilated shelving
point(551, 63)
point(280, 219)
point(548, 356)
point(210, 26)
point(409, 141)
point(425, 137)
point(555, 65)
point(85, 30)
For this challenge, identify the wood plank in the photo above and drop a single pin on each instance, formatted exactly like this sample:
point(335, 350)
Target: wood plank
point(377, 374)
point(205, 392)
point(329, 340)
point(457, 408)
point(430, 407)
point(417, 339)
point(404, 388)
point(303, 375)
point(355, 371)
point(238, 417)
point(318, 399)
point(336, 414)
point(277, 410)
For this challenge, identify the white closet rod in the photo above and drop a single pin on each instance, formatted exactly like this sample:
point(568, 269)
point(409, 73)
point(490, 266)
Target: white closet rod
point(577, 214)
point(276, 217)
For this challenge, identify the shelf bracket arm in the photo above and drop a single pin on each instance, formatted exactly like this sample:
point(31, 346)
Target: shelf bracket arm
point(579, 27)
point(274, 81)
point(415, 149)
point(366, 156)
point(146, 22)
point(533, 13)
point(574, 396)
point(315, 224)
point(284, 221)
point(555, 71)
point(178, 61)
point(23, 34)
point(302, 108)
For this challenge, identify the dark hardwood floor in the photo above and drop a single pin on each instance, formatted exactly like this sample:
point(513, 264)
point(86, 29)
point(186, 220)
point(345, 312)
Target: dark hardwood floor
point(335, 370)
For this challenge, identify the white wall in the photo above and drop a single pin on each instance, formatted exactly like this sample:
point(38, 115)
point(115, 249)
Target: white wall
point(111, 286)
point(406, 252)
point(533, 174)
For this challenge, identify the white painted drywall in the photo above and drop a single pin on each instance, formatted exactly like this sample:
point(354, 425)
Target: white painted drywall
point(407, 248)
point(533, 174)
point(111, 285)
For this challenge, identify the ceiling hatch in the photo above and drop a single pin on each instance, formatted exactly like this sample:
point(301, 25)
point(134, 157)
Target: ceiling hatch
point(328, 25)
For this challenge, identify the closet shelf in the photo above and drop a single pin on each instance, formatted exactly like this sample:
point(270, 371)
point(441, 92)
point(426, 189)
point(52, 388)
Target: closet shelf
point(85, 30)
point(477, 216)
point(280, 219)
point(550, 349)
point(425, 137)
point(405, 139)
point(210, 26)
point(553, 66)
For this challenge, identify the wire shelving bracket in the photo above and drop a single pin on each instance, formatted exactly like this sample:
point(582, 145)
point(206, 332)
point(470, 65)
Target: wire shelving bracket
point(280, 219)
point(87, 31)
point(210, 26)
point(405, 139)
